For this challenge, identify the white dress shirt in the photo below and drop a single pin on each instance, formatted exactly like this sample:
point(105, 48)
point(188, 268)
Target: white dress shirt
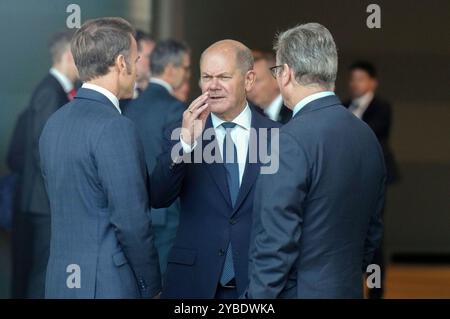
point(240, 135)
point(66, 84)
point(273, 110)
point(114, 100)
point(162, 83)
point(360, 104)
point(309, 99)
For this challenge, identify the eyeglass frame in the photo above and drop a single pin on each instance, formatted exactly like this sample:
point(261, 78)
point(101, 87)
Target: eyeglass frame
point(273, 70)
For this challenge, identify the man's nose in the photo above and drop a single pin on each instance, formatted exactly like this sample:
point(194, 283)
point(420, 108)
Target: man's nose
point(214, 84)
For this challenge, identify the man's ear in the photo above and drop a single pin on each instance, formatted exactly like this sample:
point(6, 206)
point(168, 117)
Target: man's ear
point(286, 75)
point(250, 78)
point(121, 64)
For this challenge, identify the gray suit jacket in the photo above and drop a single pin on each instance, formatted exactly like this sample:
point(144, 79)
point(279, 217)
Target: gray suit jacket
point(94, 171)
point(317, 221)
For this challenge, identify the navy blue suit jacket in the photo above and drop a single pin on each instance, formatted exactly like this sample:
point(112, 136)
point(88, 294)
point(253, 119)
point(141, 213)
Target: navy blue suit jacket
point(208, 221)
point(95, 175)
point(154, 112)
point(317, 221)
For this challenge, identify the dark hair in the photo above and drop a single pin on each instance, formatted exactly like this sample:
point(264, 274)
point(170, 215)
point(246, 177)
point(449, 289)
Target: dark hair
point(142, 36)
point(365, 66)
point(167, 52)
point(96, 45)
point(267, 56)
point(59, 43)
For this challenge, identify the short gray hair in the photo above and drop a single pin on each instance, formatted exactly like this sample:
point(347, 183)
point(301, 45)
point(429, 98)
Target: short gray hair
point(96, 45)
point(309, 49)
point(167, 52)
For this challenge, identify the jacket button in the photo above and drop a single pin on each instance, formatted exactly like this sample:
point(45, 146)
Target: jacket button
point(232, 221)
point(221, 252)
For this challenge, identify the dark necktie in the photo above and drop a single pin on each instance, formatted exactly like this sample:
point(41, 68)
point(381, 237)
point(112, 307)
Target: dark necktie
point(229, 155)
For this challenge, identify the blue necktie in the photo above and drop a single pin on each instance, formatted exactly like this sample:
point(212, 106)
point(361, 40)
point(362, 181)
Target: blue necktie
point(232, 169)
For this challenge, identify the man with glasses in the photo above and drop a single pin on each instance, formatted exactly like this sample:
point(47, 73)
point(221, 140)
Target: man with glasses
point(317, 221)
point(153, 112)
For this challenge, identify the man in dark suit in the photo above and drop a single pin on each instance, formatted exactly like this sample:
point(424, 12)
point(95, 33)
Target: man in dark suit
point(317, 220)
point(265, 94)
point(32, 223)
point(373, 110)
point(153, 112)
point(94, 170)
point(210, 256)
point(145, 45)
point(376, 112)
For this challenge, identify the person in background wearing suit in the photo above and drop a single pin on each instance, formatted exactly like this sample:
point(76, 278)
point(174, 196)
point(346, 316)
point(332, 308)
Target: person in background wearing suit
point(376, 112)
point(94, 169)
point(153, 112)
point(31, 230)
point(265, 94)
point(209, 258)
point(317, 220)
point(182, 93)
point(145, 45)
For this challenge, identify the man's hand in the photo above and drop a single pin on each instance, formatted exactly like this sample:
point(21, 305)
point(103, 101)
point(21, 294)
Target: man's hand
point(194, 119)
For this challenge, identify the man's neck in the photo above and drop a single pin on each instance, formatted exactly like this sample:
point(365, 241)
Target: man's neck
point(107, 84)
point(61, 69)
point(304, 92)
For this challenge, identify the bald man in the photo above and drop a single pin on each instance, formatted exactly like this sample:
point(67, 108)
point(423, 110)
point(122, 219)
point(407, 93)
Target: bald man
point(214, 177)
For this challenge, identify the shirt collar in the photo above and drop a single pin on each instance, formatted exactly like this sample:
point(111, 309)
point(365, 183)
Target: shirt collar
point(66, 84)
point(309, 99)
point(105, 92)
point(274, 108)
point(163, 83)
point(244, 119)
point(364, 100)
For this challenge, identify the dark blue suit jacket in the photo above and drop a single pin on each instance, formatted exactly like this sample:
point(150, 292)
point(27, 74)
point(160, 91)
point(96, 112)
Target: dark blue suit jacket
point(208, 221)
point(154, 112)
point(317, 221)
point(94, 171)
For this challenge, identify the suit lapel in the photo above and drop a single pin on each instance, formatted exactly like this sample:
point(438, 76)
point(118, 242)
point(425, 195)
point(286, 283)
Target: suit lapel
point(217, 170)
point(251, 169)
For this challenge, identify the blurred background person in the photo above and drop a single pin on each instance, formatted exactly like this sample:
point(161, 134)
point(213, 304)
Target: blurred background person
point(153, 112)
point(145, 43)
point(265, 93)
point(377, 113)
point(182, 93)
point(31, 233)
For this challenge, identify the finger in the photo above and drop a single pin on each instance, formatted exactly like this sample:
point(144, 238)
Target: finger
point(198, 101)
point(197, 112)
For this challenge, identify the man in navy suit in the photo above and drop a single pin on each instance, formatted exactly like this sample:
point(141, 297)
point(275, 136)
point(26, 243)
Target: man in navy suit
point(153, 112)
point(94, 170)
point(317, 220)
point(209, 258)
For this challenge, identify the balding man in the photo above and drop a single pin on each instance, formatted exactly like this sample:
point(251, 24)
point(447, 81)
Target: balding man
point(210, 256)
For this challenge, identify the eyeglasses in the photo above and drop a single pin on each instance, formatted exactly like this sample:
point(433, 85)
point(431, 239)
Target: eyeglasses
point(274, 70)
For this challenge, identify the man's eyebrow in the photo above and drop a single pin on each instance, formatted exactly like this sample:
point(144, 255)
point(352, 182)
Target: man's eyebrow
point(220, 74)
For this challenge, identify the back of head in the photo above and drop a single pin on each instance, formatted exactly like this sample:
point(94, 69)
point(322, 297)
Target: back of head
point(98, 42)
point(58, 44)
point(167, 52)
point(309, 49)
